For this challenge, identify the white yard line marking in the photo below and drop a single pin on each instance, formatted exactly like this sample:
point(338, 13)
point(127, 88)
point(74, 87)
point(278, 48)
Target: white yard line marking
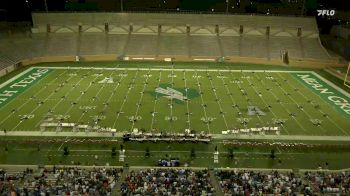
point(239, 87)
point(218, 101)
point(286, 109)
point(78, 99)
point(331, 84)
point(171, 101)
point(37, 107)
point(210, 70)
point(305, 98)
point(187, 106)
point(291, 98)
point(139, 102)
point(52, 93)
point(96, 95)
point(125, 100)
point(203, 104)
point(266, 105)
point(180, 70)
point(16, 77)
point(230, 94)
point(155, 102)
point(28, 100)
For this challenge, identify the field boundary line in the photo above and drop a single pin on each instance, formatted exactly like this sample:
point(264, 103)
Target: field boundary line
point(17, 76)
point(332, 84)
point(180, 70)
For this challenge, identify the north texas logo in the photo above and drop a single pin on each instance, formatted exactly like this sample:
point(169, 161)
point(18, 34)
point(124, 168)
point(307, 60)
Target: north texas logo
point(171, 93)
point(179, 95)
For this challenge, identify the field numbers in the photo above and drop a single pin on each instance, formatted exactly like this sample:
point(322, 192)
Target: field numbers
point(196, 76)
point(123, 75)
point(133, 118)
point(208, 119)
point(236, 81)
point(26, 116)
point(243, 120)
point(87, 107)
point(169, 118)
point(61, 117)
point(98, 117)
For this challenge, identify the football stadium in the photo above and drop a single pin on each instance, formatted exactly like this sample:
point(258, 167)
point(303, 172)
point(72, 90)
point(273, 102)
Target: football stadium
point(172, 102)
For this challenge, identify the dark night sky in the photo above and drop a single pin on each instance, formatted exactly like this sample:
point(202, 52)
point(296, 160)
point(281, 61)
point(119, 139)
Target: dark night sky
point(17, 10)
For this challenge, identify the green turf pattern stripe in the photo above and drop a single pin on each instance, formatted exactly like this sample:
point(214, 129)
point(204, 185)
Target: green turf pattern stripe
point(20, 84)
point(337, 100)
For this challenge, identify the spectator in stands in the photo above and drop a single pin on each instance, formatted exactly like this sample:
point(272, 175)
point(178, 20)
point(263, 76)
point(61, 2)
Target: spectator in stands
point(168, 182)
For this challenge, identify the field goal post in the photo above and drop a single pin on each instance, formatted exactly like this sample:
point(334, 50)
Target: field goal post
point(347, 77)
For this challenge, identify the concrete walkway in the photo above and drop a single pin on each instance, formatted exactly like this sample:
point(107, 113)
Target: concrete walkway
point(214, 136)
point(215, 183)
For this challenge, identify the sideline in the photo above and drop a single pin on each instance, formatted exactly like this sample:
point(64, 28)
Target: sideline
point(214, 136)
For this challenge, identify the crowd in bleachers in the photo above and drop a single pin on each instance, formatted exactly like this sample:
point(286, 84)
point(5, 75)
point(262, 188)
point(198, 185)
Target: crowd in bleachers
point(278, 183)
point(329, 183)
point(60, 181)
point(167, 182)
point(102, 181)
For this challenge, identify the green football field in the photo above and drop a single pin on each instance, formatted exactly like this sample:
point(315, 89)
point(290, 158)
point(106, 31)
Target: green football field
point(171, 100)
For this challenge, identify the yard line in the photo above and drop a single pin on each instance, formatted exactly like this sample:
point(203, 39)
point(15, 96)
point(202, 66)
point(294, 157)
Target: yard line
point(60, 99)
point(291, 98)
point(155, 102)
point(343, 130)
point(239, 86)
point(124, 101)
point(26, 102)
point(266, 105)
point(286, 109)
point(204, 110)
point(139, 102)
point(218, 101)
point(229, 93)
point(81, 95)
point(114, 90)
point(194, 70)
point(52, 93)
point(78, 99)
point(171, 100)
point(188, 109)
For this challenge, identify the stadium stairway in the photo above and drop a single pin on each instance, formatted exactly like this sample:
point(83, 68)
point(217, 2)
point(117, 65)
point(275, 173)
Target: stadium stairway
point(215, 184)
point(116, 190)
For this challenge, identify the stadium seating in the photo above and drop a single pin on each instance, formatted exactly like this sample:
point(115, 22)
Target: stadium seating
point(174, 181)
point(59, 181)
point(283, 183)
point(168, 182)
point(170, 35)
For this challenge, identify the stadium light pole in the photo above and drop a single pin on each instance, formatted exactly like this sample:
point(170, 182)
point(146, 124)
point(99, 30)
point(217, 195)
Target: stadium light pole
point(46, 9)
point(121, 6)
point(302, 9)
point(227, 2)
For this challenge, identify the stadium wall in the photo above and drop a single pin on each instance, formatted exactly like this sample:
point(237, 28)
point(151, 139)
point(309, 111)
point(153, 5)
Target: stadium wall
point(230, 59)
point(183, 37)
point(7, 70)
